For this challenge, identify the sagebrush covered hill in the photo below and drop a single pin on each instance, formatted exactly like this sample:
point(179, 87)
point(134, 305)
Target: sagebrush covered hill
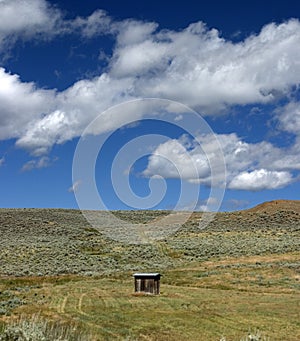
point(238, 276)
point(60, 241)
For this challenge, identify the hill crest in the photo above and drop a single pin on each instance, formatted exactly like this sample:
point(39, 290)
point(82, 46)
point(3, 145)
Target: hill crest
point(277, 205)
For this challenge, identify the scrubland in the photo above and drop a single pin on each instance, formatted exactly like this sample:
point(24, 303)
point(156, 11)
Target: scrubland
point(237, 279)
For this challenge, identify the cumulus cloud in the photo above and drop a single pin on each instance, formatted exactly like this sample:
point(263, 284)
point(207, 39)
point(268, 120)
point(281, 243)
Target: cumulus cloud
point(20, 15)
point(289, 117)
point(32, 19)
point(172, 160)
point(19, 18)
point(78, 106)
point(44, 133)
point(248, 166)
point(21, 104)
point(2, 160)
point(260, 179)
point(194, 65)
point(210, 72)
point(40, 118)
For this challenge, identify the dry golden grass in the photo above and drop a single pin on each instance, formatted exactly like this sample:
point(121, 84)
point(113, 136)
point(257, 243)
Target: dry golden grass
point(203, 301)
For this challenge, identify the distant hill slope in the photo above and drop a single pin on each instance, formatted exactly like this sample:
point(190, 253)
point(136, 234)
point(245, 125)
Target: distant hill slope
point(39, 242)
point(276, 205)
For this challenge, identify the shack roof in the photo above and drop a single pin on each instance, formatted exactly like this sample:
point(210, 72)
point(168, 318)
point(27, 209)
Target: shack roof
point(146, 274)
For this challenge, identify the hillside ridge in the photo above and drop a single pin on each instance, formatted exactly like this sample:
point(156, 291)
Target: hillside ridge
point(266, 206)
point(276, 205)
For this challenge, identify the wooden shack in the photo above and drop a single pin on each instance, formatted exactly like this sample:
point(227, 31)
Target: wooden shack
point(147, 283)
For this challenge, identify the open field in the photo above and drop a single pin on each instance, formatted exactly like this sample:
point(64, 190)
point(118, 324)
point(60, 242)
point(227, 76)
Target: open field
point(240, 274)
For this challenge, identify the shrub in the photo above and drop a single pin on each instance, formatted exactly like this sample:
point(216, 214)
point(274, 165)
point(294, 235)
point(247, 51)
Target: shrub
point(35, 328)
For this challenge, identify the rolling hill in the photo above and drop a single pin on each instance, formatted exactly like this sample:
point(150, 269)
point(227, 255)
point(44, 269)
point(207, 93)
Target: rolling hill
point(237, 276)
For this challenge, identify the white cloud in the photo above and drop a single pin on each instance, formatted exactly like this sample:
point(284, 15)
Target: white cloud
point(97, 23)
point(210, 72)
point(31, 116)
point(132, 32)
point(289, 117)
point(260, 179)
point(32, 19)
point(194, 65)
point(44, 133)
point(42, 162)
point(172, 160)
point(17, 15)
point(140, 59)
point(248, 166)
point(26, 18)
point(74, 186)
point(2, 161)
point(21, 104)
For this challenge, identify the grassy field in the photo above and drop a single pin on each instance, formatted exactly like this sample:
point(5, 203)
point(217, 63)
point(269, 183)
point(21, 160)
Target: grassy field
point(237, 277)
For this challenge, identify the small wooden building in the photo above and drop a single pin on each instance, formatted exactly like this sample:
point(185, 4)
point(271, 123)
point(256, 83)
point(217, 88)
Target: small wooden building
point(147, 283)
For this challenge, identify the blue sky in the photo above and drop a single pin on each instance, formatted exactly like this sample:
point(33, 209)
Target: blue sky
point(64, 63)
